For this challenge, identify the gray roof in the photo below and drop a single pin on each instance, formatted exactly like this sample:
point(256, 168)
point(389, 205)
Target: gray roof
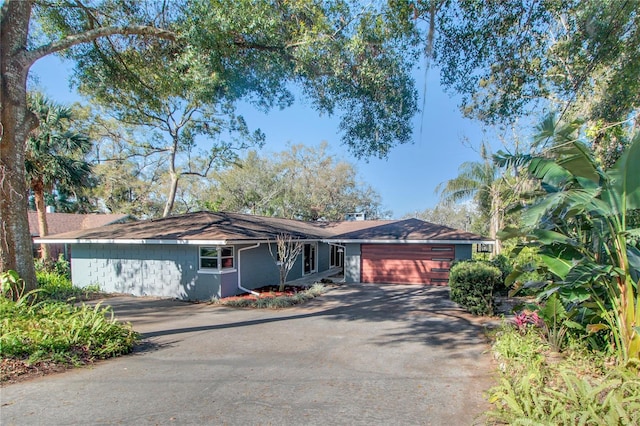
point(408, 230)
point(224, 228)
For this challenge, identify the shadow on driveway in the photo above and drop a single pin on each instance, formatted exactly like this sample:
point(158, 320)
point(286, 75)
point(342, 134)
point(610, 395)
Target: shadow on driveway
point(359, 355)
point(426, 314)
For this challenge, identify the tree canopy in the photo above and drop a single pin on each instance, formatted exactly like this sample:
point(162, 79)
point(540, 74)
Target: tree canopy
point(306, 183)
point(511, 57)
point(349, 59)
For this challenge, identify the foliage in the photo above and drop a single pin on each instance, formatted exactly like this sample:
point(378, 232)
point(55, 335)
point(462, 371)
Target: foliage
point(127, 181)
point(56, 150)
point(527, 272)
point(518, 350)
point(54, 157)
point(456, 216)
point(472, 285)
point(555, 321)
point(11, 285)
point(47, 330)
point(304, 182)
point(175, 114)
point(487, 185)
point(60, 267)
point(578, 221)
point(348, 59)
point(269, 301)
point(578, 390)
point(506, 58)
point(55, 286)
point(503, 263)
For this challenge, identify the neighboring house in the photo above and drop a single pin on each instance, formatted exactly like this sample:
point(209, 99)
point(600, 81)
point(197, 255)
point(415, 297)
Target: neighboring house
point(59, 223)
point(203, 255)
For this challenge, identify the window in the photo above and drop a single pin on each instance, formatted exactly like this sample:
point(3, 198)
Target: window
point(216, 258)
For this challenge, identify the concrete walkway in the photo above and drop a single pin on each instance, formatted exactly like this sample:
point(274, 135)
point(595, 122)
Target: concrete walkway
point(361, 354)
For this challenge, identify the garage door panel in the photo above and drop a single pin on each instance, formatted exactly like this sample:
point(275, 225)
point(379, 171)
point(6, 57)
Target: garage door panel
point(406, 263)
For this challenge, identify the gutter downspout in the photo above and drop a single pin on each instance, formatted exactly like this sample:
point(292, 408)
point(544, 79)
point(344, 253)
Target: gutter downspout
point(239, 269)
point(344, 254)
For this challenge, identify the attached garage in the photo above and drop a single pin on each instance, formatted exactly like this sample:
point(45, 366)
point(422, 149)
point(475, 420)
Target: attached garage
point(409, 251)
point(406, 263)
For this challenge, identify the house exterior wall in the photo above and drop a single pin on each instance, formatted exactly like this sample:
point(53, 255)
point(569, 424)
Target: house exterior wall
point(257, 267)
point(463, 251)
point(158, 270)
point(324, 256)
point(352, 263)
point(172, 270)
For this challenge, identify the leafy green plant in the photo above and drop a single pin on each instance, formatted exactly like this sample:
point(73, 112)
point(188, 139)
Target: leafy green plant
point(557, 321)
point(505, 266)
point(56, 331)
point(58, 286)
point(576, 391)
point(472, 285)
point(11, 286)
point(578, 221)
point(520, 351)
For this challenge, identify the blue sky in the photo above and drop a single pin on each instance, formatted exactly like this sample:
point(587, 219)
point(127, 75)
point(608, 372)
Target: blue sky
point(406, 180)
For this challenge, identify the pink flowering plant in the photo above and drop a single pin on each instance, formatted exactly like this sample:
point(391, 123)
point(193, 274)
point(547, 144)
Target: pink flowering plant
point(527, 319)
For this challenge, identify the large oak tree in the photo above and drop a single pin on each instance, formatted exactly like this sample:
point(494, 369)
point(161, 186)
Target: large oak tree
point(347, 59)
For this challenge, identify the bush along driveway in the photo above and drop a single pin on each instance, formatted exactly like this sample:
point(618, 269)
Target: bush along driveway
point(360, 354)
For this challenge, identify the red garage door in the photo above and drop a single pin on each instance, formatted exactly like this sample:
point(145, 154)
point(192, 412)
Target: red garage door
point(406, 263)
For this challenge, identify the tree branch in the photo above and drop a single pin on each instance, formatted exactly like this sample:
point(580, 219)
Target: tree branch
point(75, 39)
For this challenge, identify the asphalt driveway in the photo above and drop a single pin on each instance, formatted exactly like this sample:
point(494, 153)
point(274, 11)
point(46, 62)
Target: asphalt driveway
point(361, 354)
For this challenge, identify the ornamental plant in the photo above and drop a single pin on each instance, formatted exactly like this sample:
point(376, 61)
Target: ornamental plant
point(579, 220)
point(472, 285)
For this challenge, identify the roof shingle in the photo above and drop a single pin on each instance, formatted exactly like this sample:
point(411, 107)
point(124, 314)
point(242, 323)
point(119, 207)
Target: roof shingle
point(236, 227)
point(58, 223)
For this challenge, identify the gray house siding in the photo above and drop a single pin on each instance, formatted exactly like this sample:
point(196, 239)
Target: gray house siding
point(172, 270)
point(159, 270)
point(257, 267)
point(324, 257)
point(352, 263)
point(463, 251)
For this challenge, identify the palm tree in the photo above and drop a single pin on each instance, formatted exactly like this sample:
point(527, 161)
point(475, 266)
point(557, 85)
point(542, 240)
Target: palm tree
point(480, 181)
point(54, 156)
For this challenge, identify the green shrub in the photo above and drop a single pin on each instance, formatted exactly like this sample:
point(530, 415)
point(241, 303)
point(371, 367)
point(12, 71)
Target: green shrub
point(60, 266)
point(503, 263)
point(56, 331)
point(472, 285)
point(57, 286)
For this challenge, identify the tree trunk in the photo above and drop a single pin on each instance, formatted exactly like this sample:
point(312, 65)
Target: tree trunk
point(16, 121)
point(168, 207)
point(173, 186)
point(41, 208)
point(495, 221)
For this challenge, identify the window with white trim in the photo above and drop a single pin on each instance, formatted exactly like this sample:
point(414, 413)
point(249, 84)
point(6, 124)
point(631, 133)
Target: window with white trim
point(217, 258)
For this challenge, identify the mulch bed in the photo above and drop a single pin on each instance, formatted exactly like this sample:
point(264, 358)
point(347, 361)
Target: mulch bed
point(15, 370)
point(269, 291)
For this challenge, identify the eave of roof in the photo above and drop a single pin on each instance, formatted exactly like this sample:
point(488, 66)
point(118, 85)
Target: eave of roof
point(158, 241)
point(399, 241)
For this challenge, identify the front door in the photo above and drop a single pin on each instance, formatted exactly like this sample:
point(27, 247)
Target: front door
point(309, 259)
